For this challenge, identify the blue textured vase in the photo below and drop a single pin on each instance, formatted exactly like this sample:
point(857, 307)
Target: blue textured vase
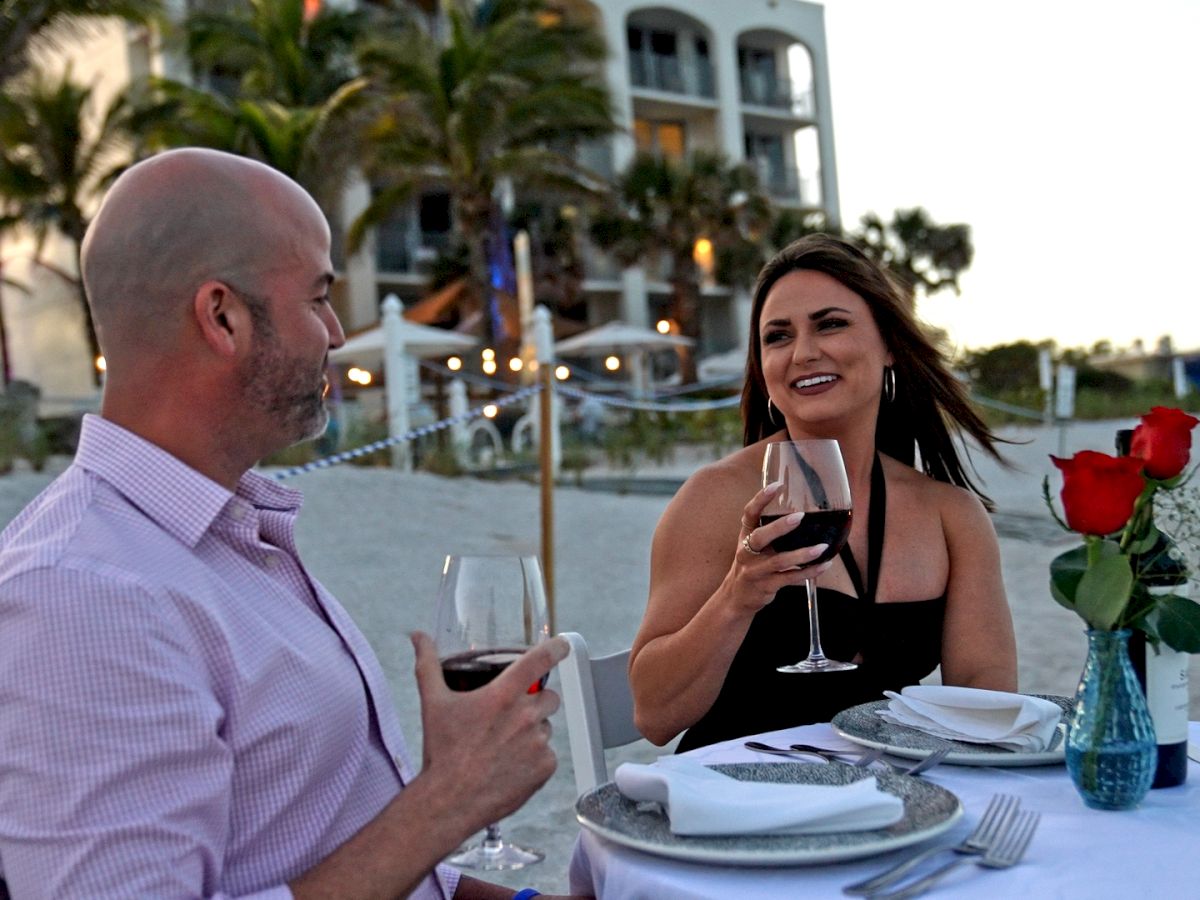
point(1111, 750)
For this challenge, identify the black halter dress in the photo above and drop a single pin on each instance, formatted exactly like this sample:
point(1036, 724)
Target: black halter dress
point(899, 644)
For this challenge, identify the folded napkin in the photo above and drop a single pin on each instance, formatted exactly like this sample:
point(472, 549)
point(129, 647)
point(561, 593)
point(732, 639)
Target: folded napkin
point(700, 800)
point(1012, 721)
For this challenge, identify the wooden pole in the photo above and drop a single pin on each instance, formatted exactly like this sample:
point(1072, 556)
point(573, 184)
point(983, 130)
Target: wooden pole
point(544, 343)
point(545, 454)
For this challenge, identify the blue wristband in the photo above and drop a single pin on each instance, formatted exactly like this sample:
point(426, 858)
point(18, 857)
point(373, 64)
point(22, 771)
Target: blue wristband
point(526, 894)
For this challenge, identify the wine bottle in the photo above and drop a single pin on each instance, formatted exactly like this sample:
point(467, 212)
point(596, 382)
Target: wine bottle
point(1162, 671)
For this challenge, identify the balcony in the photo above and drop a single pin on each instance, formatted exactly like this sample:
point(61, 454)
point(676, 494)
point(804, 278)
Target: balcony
point(760, 89)
point(671, 75)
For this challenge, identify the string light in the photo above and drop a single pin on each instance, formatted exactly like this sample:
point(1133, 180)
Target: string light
point(359, 376)
point(490, 410)
point(515, 364)
point(489, 367)
point(454, 363)
point(562, 373)
point(488, 354)
point(101, 364)
point(612, 363)
point(663, 326)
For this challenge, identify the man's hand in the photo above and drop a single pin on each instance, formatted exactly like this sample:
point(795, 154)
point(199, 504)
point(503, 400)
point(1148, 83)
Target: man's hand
point(492, 744)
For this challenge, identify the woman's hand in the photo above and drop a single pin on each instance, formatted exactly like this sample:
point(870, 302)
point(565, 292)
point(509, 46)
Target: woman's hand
point(758, 571)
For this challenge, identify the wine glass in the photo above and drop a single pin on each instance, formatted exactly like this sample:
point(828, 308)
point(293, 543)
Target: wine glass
point(490, 610)
point(814, 483)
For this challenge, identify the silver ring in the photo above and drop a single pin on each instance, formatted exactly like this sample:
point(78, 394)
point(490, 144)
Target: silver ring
point(749, 549)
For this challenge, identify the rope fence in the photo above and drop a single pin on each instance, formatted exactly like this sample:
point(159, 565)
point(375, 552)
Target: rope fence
point(411, 435)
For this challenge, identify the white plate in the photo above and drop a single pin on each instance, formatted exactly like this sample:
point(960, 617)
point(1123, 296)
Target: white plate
point(928, 811)
point(862, 725)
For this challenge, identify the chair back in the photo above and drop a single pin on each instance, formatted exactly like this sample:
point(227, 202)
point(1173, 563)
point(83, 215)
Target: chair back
point(598, 705)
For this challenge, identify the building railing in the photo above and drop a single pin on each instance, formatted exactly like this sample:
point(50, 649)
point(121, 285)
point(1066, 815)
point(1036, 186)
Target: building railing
point(672, 75)
point(760, 89)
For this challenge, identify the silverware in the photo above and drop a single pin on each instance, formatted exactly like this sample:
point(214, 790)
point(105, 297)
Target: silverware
point(1006, 851)
point(928, 762)
point(760, 747)
point(861, 761)
point(975, 844)
point(1194, 751)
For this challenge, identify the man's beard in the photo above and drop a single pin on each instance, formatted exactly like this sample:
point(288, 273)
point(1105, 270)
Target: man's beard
point(285, 389)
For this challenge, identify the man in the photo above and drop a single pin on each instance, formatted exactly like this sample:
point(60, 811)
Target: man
point(184, 712)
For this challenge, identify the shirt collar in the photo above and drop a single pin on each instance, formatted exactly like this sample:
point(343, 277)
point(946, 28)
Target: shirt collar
point(181, 500)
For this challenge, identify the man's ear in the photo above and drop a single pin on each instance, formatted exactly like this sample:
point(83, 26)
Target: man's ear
point(222, 318)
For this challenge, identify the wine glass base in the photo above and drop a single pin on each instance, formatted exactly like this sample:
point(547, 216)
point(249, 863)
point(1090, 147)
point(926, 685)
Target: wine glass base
point(806, 666)
point(495, 856)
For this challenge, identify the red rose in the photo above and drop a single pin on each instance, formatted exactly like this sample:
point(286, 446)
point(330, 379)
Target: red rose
point(1163, 441)
point(1099, 490)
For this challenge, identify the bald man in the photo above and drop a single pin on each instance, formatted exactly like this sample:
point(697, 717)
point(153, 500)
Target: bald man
point(184, 711)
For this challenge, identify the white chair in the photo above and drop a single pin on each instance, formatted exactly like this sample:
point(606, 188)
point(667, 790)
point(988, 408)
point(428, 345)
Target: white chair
point(599, 708)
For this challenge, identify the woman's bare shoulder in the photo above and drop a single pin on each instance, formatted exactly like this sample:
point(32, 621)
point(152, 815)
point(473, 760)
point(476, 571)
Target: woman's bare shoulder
point(952, 502)
point(728, 476)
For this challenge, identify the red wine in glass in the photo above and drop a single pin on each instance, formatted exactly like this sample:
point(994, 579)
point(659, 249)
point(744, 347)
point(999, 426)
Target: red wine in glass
point(812, 480)
point(830, 526)
point(490, 610)
point(475, 668)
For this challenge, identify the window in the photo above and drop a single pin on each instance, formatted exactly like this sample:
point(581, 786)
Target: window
point(665, 139)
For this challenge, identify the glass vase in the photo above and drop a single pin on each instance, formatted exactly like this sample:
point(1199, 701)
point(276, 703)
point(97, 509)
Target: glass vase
point(1111, 750)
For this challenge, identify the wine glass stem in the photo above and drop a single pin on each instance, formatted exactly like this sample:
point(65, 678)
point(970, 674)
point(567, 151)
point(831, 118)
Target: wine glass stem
point(492, 842)
point(815, 653)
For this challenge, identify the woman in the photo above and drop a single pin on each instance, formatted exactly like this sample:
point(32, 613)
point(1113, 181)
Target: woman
point(834, 353)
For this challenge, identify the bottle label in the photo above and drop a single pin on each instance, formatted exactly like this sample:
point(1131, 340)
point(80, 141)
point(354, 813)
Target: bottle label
point(1167, 691)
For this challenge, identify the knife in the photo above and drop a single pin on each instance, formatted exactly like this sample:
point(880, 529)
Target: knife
point(1194, 751)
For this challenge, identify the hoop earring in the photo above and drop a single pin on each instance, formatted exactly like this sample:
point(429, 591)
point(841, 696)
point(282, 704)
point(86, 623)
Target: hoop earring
point(889, 384)
point(770, 411)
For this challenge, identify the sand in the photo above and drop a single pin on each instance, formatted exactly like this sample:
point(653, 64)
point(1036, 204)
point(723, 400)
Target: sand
point(377, 539)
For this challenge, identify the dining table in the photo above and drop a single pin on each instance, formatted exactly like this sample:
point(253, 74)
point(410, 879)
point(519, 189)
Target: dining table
point(1151, 851)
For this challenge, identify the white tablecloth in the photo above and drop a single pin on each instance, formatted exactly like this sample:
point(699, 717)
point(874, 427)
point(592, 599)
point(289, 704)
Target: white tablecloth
point(1150, 852)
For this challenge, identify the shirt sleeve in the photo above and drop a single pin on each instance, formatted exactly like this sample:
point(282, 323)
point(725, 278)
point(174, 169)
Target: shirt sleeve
point(114, 777)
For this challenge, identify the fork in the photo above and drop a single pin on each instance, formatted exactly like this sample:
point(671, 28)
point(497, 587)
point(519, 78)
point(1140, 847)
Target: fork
point(1007, 851)
point(925, 764)
point(976, 843)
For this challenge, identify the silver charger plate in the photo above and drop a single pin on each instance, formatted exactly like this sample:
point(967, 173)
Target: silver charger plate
point(928, 811)
point(862, 725)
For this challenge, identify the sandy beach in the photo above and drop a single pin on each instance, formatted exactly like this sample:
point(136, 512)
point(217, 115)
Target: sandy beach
point(377, 539)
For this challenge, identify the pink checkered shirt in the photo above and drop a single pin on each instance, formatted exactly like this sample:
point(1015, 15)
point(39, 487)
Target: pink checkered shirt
point(184, 712)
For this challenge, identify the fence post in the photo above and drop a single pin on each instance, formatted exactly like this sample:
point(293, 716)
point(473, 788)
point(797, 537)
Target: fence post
point(396, 372)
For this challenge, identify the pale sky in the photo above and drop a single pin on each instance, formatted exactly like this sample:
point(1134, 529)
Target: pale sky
point(1064, 132)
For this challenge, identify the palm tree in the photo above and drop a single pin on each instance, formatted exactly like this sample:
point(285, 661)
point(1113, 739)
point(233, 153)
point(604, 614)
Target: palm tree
point(663, 208)
point(52, 162)
point(294, 100)
point(914, 248)
point(918, 251)
point(311, 145)
point(505, 97)
point(27, 24)
point(288, 51)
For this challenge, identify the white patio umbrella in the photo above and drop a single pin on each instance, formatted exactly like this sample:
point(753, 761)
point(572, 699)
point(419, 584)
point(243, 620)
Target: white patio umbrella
point(617, 337)
point(721, 366)
point(421, 341)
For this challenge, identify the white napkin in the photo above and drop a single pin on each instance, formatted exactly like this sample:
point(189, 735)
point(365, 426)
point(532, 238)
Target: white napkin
point(1013, 721)
point(700, 800)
